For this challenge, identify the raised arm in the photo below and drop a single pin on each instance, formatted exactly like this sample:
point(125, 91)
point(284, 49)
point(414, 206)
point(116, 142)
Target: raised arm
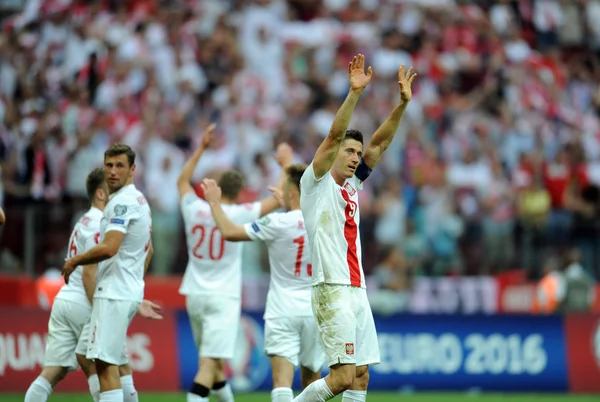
point(385, 133)
point(284, 157)
point(184, 182)
point(229, 230)
point(325, 155)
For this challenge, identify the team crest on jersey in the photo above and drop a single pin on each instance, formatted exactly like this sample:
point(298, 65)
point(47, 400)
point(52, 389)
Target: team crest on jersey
point(351, 191)
point(120, 210)
point(349, 348)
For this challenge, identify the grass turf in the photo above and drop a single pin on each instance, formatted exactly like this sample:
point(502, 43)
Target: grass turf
point(373, 397)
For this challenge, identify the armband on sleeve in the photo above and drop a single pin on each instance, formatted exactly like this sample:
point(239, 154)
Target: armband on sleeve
point(362, 171)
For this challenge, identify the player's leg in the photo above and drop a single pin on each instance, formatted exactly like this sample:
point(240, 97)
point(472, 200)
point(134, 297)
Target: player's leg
point(199, 390)
point(221, 389)
point(65, 324)
point(87, 366)
point(282, 345)
point(126, 378)
point(222, 320)
point(311, 352)
point(334, 311)
point(110, 320)
point(367, 348)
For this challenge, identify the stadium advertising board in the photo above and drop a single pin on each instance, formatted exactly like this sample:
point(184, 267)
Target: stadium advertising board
point(23, 333)
point(582, 334)
point(505, 353)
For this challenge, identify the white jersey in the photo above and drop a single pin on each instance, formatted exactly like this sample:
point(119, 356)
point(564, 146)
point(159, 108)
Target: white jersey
point(214, 265)
point(291, 271)
point(122, 276)
point(332, 219)
point(85, 235)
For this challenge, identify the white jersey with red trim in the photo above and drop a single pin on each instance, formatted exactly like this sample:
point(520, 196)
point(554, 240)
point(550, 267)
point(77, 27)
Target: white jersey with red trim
point(332, 218)
point(86, 235)
point(214, 265)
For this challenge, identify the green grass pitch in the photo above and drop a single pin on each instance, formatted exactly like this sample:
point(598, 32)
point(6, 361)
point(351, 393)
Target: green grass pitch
point(372, 397)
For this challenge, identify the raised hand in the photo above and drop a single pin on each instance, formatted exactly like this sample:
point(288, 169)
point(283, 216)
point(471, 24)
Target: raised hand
point(405, 81)
point(356, 71)
point(207, 136)
point(284, 155)
point(150, 310)
point(278, 194)
point(212, 191)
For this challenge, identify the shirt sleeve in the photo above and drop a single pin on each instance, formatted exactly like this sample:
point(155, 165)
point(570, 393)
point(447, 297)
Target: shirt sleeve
point(265, 229)
point(308, 182)
point(119, 216)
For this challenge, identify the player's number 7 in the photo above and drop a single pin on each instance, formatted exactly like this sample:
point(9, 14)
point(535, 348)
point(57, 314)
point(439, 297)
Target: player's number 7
point(300, 242)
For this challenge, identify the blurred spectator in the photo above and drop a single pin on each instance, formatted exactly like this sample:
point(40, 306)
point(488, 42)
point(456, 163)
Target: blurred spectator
point(490, 167)
point(393, 281)
point(580, 289)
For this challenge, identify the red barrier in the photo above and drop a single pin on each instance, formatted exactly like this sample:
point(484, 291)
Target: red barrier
point(583, 352)
point(151, 344)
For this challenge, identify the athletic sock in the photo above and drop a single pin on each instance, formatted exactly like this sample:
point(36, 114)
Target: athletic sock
point(354, 396)
point(317, 391)
point(116, 395)
point(198, 393)
point(282, 395)
point(94, 384)
point(39, 390)
point(222, 391)
point(129, 392)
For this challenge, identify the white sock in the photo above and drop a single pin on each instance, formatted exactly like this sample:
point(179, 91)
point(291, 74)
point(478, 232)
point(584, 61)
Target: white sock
point(282, 395)
point(116, 395)
point(317, 391)
point(129, 392)
point(94, 384)
point(223, 394)
point(39, 390)
point(351, 395)
point(196, 398)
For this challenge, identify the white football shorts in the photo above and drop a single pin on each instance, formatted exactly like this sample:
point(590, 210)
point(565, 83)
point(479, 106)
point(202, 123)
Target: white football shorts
point(346, 325)
point(109, 323)
point(215, 321)
point(67, 321)
point(296, 340)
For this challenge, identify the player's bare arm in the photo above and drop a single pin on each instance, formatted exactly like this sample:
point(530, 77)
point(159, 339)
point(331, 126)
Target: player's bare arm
point(148, 258)
point(284, 157)
point(184, 183)
point(88, 276)
point(103, 251)
point(2, 217)
point(229, 230)
point(384, 135)
point(328, 150)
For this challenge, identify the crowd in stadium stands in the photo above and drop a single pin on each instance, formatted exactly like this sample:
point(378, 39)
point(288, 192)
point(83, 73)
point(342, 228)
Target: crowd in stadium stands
point(495, 166)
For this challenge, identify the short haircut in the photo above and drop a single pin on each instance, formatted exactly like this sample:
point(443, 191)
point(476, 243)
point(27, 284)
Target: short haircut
point(121, 149)
point(294, 174)
point(231, 183)
point(94, 181)
point(354, 135)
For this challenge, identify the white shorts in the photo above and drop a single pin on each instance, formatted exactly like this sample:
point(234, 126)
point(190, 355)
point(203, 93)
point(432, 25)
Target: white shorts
point(67, 320)
point(109, 324)
point(295, 339)
point(346, 324)
point(215, 321)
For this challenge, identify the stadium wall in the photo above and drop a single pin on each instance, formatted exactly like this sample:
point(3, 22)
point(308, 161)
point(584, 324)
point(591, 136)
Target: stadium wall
point(420, 352)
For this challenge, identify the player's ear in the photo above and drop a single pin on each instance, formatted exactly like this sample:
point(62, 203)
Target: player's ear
point(133, 168)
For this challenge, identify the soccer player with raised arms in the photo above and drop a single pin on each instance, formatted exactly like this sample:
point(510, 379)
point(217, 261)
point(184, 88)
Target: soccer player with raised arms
point(290, 327)
point(329, 203)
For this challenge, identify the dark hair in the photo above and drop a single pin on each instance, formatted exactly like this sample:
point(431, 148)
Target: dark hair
point(294, 174)
point(121, 149)
point(94, 181)
point(354, 135)
point(231, 183)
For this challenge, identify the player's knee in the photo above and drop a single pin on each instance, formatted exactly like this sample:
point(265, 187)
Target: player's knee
point(86, 365)
point(54, 375)
point(125, 369)
point(341, 379)
point(361, 382)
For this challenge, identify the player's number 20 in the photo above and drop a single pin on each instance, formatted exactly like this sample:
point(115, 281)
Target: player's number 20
point(213, 254)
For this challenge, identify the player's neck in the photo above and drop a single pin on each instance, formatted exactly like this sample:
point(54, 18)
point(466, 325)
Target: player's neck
point(98, 204)
point(226, 201)
point(339, 179)
point(294, 205)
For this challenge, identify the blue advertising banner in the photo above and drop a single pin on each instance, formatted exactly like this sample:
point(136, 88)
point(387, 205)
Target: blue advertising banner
point(503, 353)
